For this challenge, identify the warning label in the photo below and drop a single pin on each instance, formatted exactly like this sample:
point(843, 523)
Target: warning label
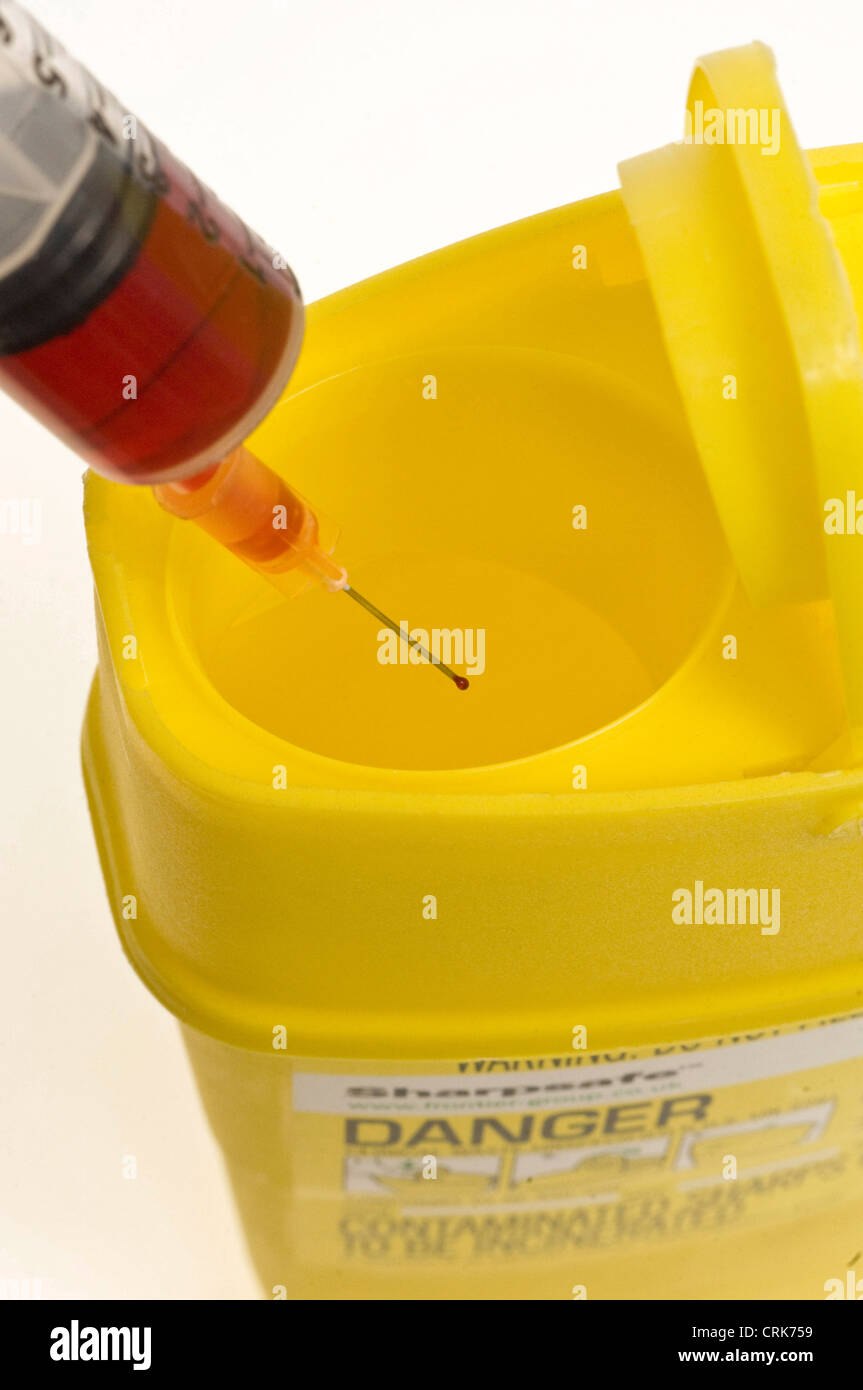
point(540, 1157)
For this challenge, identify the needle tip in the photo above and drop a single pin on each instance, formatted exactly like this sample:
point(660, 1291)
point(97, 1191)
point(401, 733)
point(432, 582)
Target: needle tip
point(460, 682)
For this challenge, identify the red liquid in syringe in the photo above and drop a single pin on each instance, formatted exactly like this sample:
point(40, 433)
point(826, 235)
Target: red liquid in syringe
point(140, 319)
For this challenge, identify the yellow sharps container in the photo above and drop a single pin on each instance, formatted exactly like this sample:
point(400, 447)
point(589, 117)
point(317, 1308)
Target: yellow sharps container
point(555, 988)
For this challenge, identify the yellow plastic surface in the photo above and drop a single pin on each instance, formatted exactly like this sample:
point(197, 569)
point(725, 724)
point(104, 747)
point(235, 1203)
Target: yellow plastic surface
point(274, 807)
point(750, 286)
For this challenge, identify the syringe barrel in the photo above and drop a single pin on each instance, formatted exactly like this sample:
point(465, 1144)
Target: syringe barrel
point(140, 319)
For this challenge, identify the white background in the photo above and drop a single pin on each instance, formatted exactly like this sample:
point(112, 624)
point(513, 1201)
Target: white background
point(353, 136)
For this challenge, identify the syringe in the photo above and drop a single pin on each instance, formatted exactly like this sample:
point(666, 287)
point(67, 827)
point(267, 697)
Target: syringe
point(251, 511)
point(142, 321)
